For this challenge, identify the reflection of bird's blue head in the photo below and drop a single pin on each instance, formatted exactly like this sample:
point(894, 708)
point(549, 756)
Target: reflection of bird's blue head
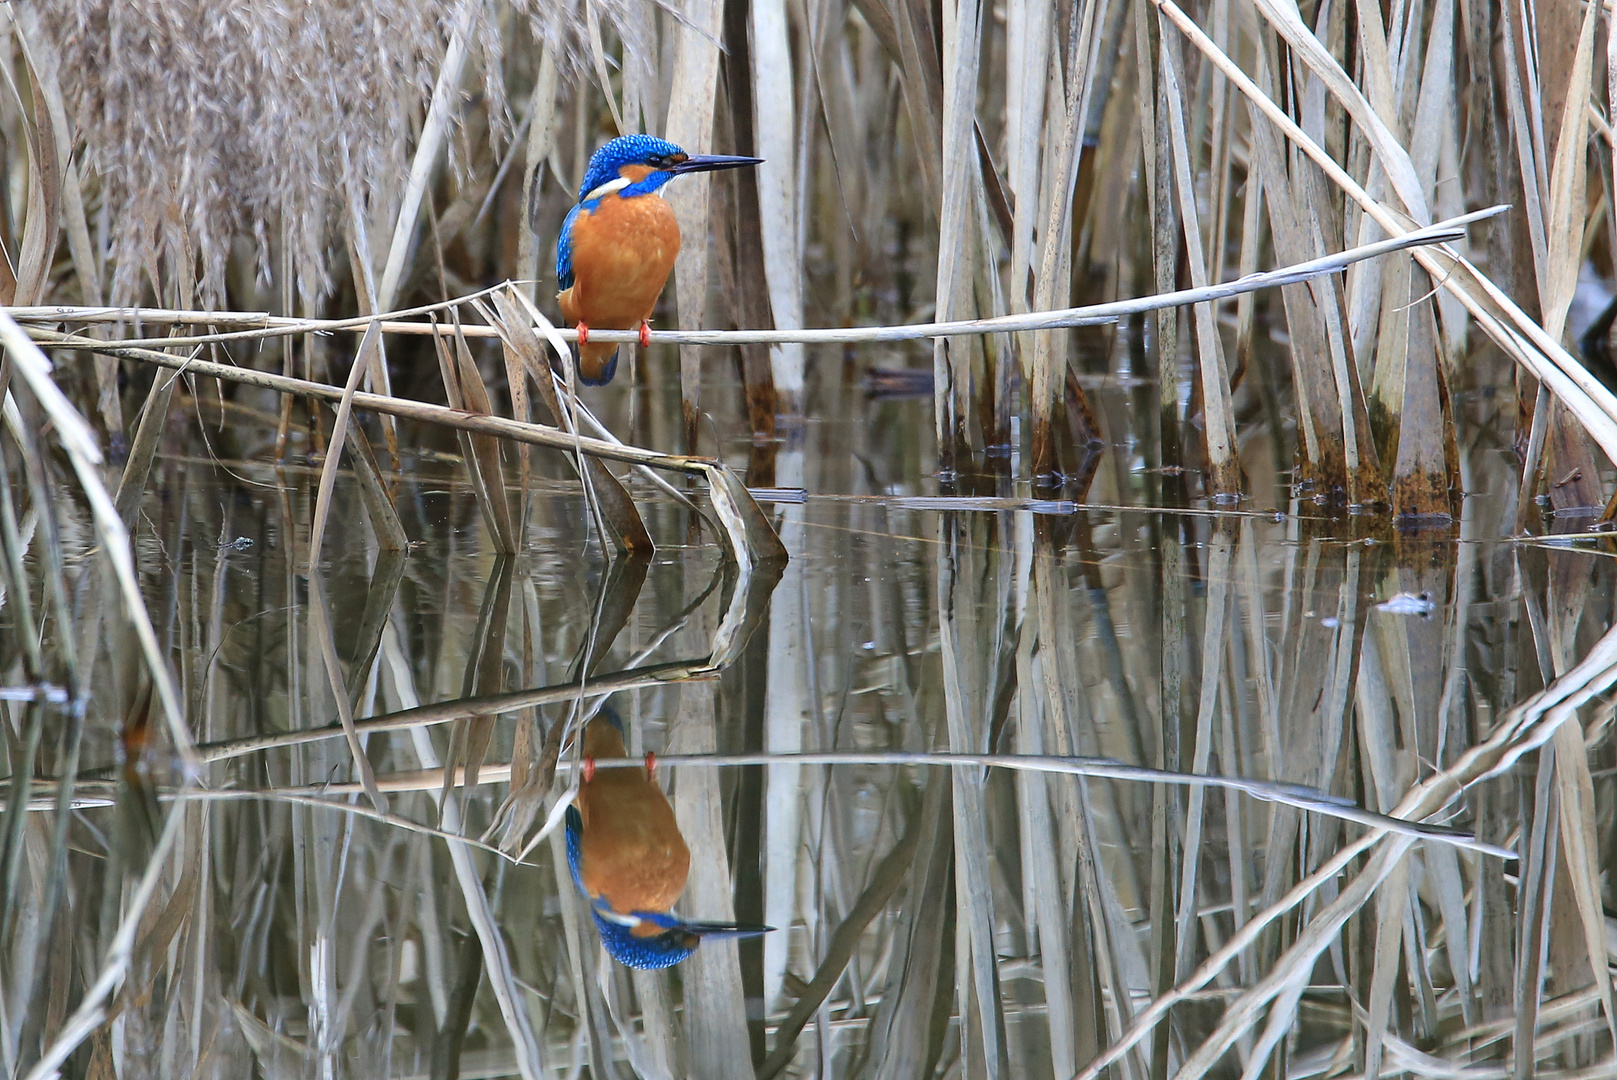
point(646, 940)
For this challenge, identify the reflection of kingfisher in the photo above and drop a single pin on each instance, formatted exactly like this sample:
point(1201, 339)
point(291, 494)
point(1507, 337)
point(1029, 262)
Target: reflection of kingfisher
point(618, 244)
point(628, 857)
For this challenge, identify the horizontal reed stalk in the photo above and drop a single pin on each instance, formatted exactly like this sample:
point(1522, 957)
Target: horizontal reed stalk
point(1089, 315)
point(1294, 795)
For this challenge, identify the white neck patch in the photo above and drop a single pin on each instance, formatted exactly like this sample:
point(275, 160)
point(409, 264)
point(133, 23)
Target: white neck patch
point(607, 188)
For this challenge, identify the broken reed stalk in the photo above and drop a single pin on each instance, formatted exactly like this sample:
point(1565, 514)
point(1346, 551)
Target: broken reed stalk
point(1442, 232)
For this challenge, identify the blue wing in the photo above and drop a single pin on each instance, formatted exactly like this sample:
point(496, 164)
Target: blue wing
point(575, 842)
point(564, 249)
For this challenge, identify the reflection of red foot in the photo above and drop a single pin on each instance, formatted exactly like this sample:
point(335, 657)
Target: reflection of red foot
point(583, 334)
point(651, 764)
point(645, 334)
point(589, 769)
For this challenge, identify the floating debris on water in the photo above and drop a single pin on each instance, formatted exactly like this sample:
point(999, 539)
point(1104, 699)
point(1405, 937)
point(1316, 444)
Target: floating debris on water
point(1409, 604)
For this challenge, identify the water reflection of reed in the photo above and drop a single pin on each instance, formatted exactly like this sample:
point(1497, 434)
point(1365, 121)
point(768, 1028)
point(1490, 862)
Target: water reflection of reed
point(934, 920)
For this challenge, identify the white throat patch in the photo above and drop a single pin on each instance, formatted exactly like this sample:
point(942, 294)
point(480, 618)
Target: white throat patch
point(607, 188)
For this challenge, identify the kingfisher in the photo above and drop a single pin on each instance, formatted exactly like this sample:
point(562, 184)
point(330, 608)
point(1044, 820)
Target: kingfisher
point(628, 857)
point(619, 242)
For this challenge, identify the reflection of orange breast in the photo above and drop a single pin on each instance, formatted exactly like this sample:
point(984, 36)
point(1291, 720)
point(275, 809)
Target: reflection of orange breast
point(632, 856)
point(622, 254)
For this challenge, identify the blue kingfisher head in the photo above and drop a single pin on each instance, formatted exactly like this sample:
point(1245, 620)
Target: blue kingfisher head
point(641, 164)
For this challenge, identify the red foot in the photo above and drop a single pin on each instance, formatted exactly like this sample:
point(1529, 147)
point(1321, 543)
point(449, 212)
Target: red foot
point(645, 334)
point(651, 764)
point(589, 769)
point(583, 334)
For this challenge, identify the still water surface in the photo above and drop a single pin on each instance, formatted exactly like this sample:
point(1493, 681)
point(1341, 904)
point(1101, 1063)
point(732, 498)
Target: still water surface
point(931, 921)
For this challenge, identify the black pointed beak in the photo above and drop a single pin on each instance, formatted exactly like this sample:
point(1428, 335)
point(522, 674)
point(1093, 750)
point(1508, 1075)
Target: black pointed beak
point(712, 162)
point(726, 930)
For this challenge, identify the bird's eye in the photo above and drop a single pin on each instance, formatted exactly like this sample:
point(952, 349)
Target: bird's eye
point(657, 161)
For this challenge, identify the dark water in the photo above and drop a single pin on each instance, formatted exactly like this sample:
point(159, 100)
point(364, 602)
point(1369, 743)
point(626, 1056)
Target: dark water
point(958, 921)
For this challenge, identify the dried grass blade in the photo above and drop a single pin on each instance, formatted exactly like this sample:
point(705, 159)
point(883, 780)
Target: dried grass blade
point(41, 226)
point(778, 190)
point(379, 600)
point(690, 123)
point(79, 442)
point(320, 624)
point(488, 470)
point(1313, 939)
point(1568, 184)
point(542, 113)
point(1088, 315)
point(752, 539)
point(965, 640)
point(714, 1003)
point(1027, 45)
point(900, 1033)
point(44, 72)
point(440, 114)
point(498, 426)
point(884, 882)
point(602, 74)
point(143, 450)
point(1391, 906)
point(1218, 411)
point(384, 518)
point(1215, 634)
point(613, 500)
point(1580, 843)
point(1060, 171)
point(952, 367)
point(1390, 153)
point(516, 381)
point(485, 668)
point(1523, 338)
point(625, 576)
point(496, 956)
point(91, 1013)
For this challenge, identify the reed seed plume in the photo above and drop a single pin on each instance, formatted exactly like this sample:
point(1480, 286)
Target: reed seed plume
point(205, 123)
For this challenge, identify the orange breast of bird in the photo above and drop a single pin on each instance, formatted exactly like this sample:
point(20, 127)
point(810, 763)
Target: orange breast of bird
point(632, 855)
point(623, 251)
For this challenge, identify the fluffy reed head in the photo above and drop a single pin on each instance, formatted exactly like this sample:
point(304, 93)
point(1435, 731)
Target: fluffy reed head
point(212, 121)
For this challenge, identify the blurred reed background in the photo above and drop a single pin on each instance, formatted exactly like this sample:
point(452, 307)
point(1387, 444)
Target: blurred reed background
point(202, 568)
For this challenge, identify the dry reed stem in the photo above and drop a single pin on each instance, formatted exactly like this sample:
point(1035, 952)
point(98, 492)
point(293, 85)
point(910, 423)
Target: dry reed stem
point(91, 1011)
point(1526, 727)
point(319, 617)
point(1518, 335)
